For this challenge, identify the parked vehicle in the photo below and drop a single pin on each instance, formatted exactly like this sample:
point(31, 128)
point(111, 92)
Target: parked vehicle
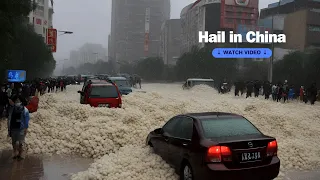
point(122, 83)
point(215, 145)
point(197, 81)
point(103, 94)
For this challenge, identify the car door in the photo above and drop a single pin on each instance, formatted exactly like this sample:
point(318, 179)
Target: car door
point(161, 143)
point(180, 143)
point(87, 92)
point(82, 94)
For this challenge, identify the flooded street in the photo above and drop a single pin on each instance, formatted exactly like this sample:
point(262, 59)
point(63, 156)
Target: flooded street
point(50, 132)
point(59, 168)
point(40, 168)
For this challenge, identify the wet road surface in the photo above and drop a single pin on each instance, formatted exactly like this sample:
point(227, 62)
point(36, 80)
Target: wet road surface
point(40, 168)
point(56, 167)
point(303, 175)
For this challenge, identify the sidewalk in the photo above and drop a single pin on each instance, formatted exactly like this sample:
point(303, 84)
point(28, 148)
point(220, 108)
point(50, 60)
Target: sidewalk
point(40, 168)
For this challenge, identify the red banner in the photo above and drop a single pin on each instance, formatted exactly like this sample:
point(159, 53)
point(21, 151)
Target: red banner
point(146, 43)
point(52, 39)
point(222, 15)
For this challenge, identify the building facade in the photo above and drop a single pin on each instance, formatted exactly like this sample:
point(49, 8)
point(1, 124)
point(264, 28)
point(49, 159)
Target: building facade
point(74, 59)
point(92, 53)
point(136, 28)
point(170, 41)
point(213, 16)
point(299, 21)
point(41, 17)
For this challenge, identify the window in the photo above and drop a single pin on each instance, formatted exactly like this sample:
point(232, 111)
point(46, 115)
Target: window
point(209, 83)
point(214, 128)
point(123, 83)
point(314, 28)
point(171, 125)
point(103, 92)
point(185, 128)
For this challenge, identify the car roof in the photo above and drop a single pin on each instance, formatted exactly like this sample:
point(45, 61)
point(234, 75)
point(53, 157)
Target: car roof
point(98, 81)
point(199, 79)
point(204, 115)
point(117, 78)
point(106, 84)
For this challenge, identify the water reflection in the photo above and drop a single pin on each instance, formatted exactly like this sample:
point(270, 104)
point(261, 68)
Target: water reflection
point(40, 167)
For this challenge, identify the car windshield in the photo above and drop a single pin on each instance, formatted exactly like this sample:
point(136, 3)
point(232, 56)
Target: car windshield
point(104, 92)
point(209, 83)
point(121, 83)
point(215, 128)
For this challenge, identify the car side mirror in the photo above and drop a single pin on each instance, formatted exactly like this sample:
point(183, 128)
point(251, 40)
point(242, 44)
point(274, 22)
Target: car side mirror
point(158, 131)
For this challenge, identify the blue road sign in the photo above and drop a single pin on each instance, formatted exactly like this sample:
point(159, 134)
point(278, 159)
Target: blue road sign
point(248, 53)
point(16, 75)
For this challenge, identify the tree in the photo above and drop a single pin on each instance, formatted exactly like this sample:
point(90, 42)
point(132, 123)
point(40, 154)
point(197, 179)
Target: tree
point(21, 47)
point(199, 63)
point(150, 68)
point(70, 71)
point(254, 70)
point(300, 68)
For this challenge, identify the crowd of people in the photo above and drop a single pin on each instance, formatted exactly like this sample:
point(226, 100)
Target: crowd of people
point(278, 92)
point(18, 100)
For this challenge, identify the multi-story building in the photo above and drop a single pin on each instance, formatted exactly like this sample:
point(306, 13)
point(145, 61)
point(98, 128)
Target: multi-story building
point(170, 41)
point(41, 17)
point(74, 59)
point(215, 15)
point(298, 19)
point(136, 28)
point(88, 53)
point(92, 53)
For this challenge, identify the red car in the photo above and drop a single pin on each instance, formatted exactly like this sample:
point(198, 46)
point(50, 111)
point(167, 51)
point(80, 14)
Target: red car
point(214, 146)
point(104, 94)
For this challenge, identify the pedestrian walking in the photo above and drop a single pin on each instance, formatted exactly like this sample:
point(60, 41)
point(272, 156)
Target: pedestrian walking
point(18, 123)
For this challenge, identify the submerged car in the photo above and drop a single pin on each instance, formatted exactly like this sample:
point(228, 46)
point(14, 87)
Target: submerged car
point(215, 145)
point(102, 94)
point(122, 83)
point(197, 81)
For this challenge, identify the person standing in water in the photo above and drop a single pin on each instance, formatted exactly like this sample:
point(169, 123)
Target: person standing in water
point(18, 124)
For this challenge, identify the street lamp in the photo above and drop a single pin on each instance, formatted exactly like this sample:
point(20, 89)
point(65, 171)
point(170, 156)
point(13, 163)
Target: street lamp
point(65, 32)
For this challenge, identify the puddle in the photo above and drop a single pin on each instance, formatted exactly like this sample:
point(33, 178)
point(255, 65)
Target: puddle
point(41, 167)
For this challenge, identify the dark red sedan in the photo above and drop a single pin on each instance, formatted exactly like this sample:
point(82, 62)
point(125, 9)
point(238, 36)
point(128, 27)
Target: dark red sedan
point(215, 145)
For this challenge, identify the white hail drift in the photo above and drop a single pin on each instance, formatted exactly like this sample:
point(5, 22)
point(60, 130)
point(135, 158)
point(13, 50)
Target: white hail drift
point(116, 137)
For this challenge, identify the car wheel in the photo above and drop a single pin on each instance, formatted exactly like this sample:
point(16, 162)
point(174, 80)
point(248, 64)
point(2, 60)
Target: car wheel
point(186, 172)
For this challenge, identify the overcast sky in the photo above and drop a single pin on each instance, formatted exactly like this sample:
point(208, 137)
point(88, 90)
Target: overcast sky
point(90, 21)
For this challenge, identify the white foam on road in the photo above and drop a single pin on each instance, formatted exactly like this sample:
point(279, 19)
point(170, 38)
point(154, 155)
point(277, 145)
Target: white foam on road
point(63, 126)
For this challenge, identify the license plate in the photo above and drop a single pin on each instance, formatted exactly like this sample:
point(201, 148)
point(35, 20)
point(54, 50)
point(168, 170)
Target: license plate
point(103, 105)
point(250, 156)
